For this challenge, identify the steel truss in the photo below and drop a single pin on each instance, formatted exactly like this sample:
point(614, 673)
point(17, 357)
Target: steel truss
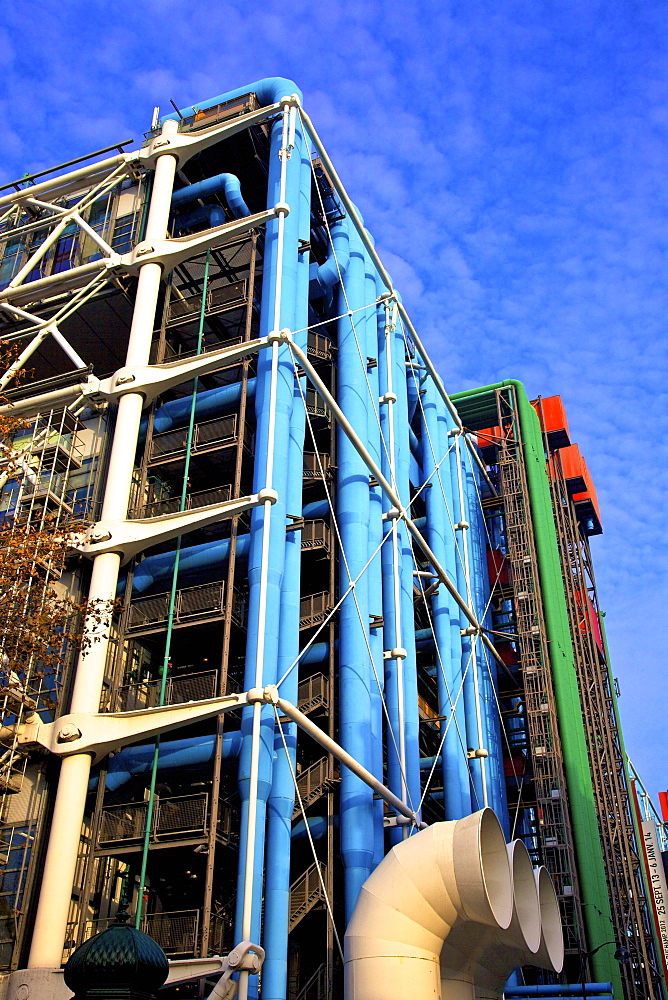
point(555, 827)
point(628, 902)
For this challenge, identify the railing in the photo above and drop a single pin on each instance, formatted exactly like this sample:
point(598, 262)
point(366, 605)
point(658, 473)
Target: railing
point(312, 693)
point(313, 464)
point(176, 932)
point(193, 501)
point(53, 486)
point(316, 406)
point(172, 818)
point(187, 687)
point(315, 988)
point(305, 892)
point(319, 346)
point(312, 783)
point(316, 535)
point(314, 609)
point(206, 435)
point(218, 298)
point(191, 602)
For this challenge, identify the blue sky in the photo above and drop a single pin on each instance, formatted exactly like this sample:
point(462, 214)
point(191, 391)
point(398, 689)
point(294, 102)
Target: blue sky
point(510, 160)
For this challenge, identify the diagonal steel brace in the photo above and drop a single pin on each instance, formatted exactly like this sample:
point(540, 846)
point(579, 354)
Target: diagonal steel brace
point(153, 380)
point(169, 253)
point(244, 957)
point(102, 733)
point(132, 536)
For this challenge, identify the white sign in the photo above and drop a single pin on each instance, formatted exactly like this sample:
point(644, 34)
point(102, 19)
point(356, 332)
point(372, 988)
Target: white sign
point(658, 887)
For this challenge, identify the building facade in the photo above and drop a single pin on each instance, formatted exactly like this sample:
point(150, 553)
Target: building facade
point(274, 496)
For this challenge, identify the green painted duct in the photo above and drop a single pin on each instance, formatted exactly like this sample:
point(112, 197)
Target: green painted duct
point(478, 408)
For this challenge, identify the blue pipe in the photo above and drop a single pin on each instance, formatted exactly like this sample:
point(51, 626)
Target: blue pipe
point(195, 558)
point(491, 723)
point(470, 734)
point(174, 755)
point(407, 564)
point(317, 826)
point(277, 514)
point(375, 533)
point(438, 529)
point(330, 273)
point(568, 990)
point(451, 563)
point(356, 799)
point(281, 801)
point(210, 403)
point(229, 184)
point(268, 91)
point(212, 215)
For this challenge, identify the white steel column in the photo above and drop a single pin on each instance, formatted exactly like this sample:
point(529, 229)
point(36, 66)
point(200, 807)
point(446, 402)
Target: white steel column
point(59, 867)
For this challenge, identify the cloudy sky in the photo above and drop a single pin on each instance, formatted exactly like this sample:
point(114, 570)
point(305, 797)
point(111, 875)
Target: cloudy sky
point(510, 159)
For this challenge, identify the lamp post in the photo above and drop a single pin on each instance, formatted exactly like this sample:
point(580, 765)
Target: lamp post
point(622, 955)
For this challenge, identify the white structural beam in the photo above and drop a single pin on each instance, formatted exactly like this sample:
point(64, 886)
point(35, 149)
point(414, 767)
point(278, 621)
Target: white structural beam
point(61, 857)
point(128, 537)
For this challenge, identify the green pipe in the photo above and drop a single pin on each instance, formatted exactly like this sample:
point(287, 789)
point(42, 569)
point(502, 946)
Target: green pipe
point(658, 947)
point(170, 614)
point(591, 871)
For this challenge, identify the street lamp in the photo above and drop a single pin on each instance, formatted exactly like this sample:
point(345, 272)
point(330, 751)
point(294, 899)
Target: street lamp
point(622, 955)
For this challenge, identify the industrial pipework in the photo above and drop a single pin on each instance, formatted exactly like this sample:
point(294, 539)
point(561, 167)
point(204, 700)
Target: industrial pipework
point(405, 630)
point(441, 909)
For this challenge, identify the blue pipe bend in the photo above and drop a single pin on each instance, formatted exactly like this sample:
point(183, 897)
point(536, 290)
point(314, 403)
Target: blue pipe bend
point(229, 184)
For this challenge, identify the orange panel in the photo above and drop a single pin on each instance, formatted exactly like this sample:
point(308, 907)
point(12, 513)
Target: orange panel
point(553, 420)
point(574, 468)
point(490, 436)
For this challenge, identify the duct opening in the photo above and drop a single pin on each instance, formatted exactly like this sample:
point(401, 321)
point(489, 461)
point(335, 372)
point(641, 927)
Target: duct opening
point(551, 950)
point(527, 905)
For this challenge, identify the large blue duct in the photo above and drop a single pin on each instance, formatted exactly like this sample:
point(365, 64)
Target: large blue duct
point(438, 530)
point(352, 501)
point(209, 403)
point(272, 440)
point(281, 801)
point(174, 755)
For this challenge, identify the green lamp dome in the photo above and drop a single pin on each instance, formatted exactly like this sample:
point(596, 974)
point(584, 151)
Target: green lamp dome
point(119, 963)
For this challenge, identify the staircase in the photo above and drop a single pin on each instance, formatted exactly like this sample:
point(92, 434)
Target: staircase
point(313, 783)
point(305, 892)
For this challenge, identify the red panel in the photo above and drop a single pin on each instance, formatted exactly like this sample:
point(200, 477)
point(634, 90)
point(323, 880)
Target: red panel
point(589, 619)
point(515, 766)
point(498, 568)
point(507, 653)
point(663, 802)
